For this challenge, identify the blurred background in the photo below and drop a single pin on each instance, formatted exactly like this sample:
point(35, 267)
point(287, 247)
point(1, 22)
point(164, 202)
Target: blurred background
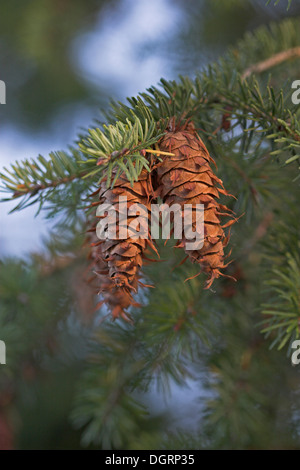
point(62, 61)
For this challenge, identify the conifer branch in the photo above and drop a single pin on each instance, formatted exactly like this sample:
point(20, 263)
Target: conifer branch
point(35, 188)
point(282, 312)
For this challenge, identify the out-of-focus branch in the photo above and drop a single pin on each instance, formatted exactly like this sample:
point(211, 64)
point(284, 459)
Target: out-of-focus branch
point(276, 59)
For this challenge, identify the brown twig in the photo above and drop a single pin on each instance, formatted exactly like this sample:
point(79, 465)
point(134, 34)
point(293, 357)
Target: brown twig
point(276, 59)
point(35, 188)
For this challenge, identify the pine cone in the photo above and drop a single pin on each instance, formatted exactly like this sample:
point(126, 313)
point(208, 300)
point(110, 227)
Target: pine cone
point(117, 261)
point(187, 178)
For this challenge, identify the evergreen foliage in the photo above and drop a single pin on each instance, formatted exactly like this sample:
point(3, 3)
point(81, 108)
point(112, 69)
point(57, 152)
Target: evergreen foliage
point(252, 129)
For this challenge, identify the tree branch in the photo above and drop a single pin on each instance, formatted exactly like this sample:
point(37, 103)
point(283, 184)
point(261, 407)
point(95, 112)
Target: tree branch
point(276, 59)
point(34, 189)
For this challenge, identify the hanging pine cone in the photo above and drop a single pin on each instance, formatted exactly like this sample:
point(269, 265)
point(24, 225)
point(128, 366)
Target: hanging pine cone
point(118, 261)
point(187, 178)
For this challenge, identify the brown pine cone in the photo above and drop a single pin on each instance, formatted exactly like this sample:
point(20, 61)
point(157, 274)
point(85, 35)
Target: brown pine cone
point(187, 178)
point(117, 261)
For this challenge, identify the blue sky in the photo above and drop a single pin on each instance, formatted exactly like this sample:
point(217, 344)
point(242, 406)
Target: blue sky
point(112, 54)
